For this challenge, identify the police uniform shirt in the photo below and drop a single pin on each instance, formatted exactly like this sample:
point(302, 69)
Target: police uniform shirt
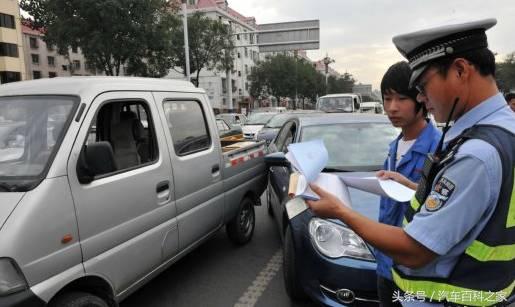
point(463, 196)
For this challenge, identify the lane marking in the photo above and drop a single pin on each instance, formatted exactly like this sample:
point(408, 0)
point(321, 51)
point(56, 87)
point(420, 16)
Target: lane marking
point(259, 285)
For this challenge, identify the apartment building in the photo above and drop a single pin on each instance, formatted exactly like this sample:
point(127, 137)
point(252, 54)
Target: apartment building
point(215, 82)
point(12, 64)
point(43, 60)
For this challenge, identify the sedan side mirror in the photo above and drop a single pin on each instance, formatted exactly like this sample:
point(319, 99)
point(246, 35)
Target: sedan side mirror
point(276, 159)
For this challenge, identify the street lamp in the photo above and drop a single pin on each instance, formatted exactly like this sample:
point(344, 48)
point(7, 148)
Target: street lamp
point(327, 60)
point(186, 43)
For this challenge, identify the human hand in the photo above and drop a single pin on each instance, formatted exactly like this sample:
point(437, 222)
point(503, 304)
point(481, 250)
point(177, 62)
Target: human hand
point(398, 177)
point(329, 206)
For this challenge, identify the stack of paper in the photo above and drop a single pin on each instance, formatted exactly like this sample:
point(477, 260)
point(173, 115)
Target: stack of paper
point(310, 158)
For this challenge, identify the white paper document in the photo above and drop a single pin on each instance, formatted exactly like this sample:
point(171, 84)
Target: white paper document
point(387, 188)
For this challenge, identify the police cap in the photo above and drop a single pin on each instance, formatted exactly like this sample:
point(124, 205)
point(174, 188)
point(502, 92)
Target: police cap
point(423, 47)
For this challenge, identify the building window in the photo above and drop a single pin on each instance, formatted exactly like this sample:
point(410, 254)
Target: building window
point(246, 86)
point(52, 74)
point(240, 92)
point(7, 21)
point(49, 48)
point(65, 67)
point(237, 36)
point(251, 38)
point(36, 74)
point(239, 55)
point(246, 52)
point(33, 43)
point(9, 76)
point(51, 61)
point(224, 85)
point(246, 69)
point(76, 64)
point(239, 73)
point(74, 49)
point(10, 50)
point(35, 59)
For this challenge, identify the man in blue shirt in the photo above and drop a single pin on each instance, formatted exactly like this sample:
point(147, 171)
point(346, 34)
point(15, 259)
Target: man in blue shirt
point(457, 246)
point(406, 156)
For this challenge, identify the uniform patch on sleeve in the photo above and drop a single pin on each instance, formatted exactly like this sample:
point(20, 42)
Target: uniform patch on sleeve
point(440, 194)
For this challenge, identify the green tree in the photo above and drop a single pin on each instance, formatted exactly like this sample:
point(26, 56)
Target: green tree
point(505, 74)
point(210, 45)
point(284, 76)
point(110, 33)
point(343, 84)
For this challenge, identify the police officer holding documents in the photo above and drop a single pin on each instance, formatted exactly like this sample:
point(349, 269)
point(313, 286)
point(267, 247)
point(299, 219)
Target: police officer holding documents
point(457, 243)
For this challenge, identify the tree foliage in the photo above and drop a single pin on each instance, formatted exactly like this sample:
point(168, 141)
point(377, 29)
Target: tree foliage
point(210, 45)
point(343, 84)
point(284, 76)
point(506, 73)
point(110, 33)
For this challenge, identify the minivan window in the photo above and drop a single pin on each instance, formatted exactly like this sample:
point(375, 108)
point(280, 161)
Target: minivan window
point(188, 126)
point(126, 128)
point(30, 131)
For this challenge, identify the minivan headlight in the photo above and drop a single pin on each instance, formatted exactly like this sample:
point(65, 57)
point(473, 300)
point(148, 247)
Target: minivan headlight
point(335, 241)
point(11, 279)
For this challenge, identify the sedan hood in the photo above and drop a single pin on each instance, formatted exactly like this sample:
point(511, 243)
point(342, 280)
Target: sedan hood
point(8, 202)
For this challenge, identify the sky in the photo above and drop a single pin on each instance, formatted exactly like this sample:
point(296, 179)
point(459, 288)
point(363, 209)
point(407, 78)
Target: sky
point(357, 34)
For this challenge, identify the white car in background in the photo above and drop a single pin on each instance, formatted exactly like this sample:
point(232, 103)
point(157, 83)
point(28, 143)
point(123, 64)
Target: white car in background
point(255, 123)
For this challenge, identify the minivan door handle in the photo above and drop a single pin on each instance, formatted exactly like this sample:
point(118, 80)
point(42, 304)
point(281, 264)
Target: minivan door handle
point(215, 168)
point(163, 192)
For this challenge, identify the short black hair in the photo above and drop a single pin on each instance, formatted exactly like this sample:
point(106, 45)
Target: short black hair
point(509, 97)
point(397, 78)
point(482, 59)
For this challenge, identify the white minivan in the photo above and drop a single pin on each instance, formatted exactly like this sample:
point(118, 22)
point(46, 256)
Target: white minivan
point(93, 203)
point(339, 103)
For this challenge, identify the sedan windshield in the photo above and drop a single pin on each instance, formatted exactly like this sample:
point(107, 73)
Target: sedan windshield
point(353, 146)
point(259, 118)
point(30, 132)
point(278, 121)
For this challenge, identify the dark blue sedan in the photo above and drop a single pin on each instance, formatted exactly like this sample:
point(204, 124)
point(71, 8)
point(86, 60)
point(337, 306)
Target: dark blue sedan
point(323, 259)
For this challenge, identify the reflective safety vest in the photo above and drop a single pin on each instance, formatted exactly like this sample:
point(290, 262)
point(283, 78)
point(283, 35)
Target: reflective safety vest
point(484, 274)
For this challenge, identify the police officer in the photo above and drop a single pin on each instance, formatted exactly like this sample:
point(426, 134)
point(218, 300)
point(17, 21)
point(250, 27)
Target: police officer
point(457, 246)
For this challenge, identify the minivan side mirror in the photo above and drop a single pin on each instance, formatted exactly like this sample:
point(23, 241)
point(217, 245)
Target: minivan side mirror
point(95, 159)
point(276, 159)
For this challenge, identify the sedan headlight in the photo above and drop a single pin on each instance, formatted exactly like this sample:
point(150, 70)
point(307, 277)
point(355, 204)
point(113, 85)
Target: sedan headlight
point(337, 241)
point(11, 279)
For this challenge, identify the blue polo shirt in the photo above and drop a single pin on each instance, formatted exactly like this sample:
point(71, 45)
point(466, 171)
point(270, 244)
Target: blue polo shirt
point(391, 212)
point(474, 178)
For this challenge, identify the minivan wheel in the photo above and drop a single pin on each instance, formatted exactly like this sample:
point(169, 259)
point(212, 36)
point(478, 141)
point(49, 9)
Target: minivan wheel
point(241, 228)
point(291, 281)
point(78, 299)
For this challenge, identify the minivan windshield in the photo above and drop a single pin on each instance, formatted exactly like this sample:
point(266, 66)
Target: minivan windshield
point(335, 104)
point(30, 131)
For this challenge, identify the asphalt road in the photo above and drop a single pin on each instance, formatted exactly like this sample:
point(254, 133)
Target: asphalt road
point(219, 273)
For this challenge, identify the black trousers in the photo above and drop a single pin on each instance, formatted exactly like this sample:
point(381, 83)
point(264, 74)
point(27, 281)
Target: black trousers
point(385, 290)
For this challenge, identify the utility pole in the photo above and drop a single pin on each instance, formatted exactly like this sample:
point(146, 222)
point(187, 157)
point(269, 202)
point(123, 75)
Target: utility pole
point(327, 60)
point(296, 54)
point(186, 42)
